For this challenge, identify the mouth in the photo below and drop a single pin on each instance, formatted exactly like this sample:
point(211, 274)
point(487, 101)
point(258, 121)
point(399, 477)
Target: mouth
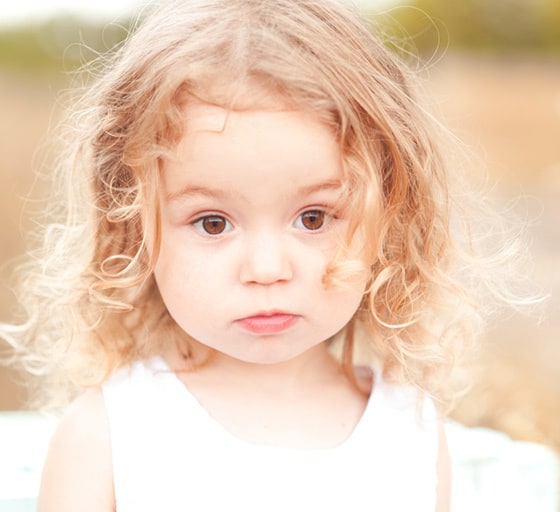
point(268, 322)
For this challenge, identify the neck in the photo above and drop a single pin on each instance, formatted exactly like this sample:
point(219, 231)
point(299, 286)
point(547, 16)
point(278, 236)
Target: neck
point(314, 367)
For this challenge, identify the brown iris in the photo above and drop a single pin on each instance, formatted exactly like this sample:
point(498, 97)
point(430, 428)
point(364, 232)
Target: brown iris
point(313, 219)
point(214, 224)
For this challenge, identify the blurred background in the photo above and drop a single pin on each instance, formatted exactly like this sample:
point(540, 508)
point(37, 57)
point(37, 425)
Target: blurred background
point(492, 72)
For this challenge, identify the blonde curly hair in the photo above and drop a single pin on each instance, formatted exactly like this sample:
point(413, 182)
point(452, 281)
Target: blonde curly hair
point(91, 301)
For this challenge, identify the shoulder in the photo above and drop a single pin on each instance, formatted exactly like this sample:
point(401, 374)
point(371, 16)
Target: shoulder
point(79, 456)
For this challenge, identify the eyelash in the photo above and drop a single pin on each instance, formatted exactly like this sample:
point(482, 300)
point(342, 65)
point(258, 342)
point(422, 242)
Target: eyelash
point(325, 213)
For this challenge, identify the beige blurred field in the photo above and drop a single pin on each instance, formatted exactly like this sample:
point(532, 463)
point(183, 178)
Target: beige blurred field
point(509, 111)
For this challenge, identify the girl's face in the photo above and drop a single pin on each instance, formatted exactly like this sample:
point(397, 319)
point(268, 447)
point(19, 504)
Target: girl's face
point(250, 218)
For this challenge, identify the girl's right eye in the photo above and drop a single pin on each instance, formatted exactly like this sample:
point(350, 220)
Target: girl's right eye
point(213, 224)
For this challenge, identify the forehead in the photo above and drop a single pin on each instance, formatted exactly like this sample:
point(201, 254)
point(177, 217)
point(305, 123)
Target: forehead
point(268, 147)
point(271, 126)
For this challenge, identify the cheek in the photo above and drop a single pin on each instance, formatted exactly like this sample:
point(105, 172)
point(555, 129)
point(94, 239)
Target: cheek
point(349, 301)
point(173, 274)
point(189, 279)
point(342, 293)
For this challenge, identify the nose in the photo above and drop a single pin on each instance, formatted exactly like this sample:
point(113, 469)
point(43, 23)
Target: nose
point(265, 260)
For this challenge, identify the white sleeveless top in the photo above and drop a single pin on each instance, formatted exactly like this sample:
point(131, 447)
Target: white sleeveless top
point(170, 455)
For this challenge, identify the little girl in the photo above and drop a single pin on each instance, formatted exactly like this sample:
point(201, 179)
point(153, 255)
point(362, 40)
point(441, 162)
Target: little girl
point(255, 279)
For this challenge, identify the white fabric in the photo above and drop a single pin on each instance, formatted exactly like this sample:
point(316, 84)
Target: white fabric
point(170, 455)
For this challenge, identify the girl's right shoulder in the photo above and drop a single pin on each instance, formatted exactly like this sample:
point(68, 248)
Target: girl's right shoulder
point(78, 469)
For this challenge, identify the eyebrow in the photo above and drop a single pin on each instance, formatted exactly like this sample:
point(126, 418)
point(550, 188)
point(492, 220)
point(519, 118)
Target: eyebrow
point(216, 193)
point(195, 190)
point(318, 187)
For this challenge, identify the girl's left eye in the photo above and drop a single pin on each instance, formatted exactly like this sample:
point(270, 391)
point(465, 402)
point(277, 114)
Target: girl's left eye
point(312, 220)
point(213, 224)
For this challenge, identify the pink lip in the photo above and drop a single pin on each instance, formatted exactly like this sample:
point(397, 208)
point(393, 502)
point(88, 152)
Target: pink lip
point(268, 323)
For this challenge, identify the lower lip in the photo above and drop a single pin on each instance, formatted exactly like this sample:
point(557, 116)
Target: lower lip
point(268, 324)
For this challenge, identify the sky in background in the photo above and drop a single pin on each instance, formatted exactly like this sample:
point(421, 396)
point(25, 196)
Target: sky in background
point(13, 11)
